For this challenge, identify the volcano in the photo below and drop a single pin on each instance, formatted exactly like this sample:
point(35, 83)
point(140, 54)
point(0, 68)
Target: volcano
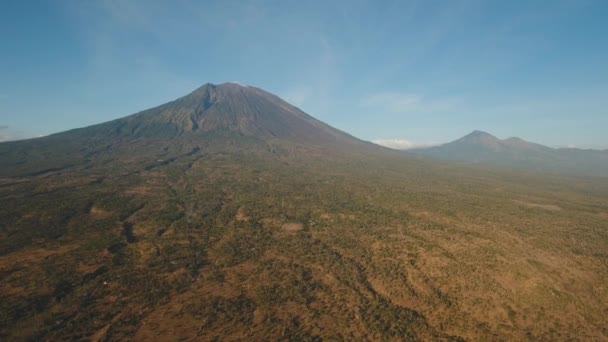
point(227, 117)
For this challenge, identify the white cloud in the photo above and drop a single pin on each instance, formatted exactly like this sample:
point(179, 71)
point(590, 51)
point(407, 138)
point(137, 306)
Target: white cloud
point(398, 144)
point(7, 134)
point(401, 144)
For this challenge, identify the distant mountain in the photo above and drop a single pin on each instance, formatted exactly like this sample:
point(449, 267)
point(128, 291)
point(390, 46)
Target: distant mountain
point(482, 147)
point(213, 118)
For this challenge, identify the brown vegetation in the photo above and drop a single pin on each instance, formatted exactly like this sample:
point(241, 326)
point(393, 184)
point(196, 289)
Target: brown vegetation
point(398, 252)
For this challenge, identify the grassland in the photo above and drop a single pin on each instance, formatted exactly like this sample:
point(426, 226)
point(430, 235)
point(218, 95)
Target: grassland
point(241, 246)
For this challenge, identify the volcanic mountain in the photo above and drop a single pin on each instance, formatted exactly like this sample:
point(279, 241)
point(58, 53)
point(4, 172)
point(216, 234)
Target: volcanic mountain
point(213, 118)
point(482, 147)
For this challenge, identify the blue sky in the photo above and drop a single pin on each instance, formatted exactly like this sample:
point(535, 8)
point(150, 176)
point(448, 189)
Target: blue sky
point(419, 72)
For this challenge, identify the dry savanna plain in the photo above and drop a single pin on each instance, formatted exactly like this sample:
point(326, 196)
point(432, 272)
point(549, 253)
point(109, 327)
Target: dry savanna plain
point(249, 247)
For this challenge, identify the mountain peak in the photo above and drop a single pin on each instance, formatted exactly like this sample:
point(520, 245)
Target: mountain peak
point(224, 86)
point(221, 88)
point(479, 137)
point(478, 133)
point(227, 109)
point(226, 106)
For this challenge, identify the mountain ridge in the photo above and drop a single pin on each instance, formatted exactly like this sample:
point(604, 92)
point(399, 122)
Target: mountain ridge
point(515, 152)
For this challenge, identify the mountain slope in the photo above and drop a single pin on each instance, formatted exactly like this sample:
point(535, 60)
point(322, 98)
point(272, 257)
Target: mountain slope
point(481, 147)
point(228, 107)
point(225, 117)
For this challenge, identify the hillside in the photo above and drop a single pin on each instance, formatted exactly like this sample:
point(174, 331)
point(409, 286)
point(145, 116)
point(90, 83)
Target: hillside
point(229, 214)
point(481, 147)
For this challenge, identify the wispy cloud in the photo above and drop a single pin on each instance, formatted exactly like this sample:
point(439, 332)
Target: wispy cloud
point(400, 144)
point(410, 103)
point(106, 25)
point(297, 96)
point(8, 134)
point(317, 90)
point(393, 101)
point(325, 75)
